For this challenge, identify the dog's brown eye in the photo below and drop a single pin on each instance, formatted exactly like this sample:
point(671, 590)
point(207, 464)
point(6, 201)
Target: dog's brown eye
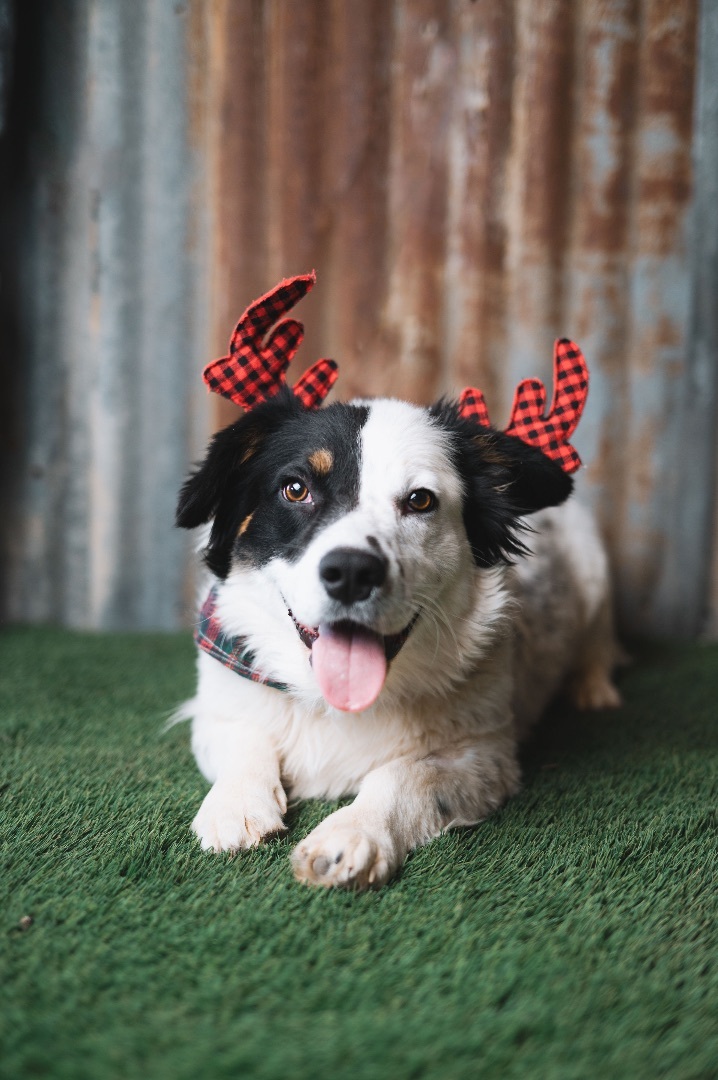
point(421, 501)
point(296, 492)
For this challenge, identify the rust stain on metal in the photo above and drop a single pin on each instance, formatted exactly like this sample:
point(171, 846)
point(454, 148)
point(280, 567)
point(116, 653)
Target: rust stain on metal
point(352, 287)
point(411, 344)
point(667, 86)
point(479, 146)
point(237, 74)
point(545, 72)
point(608, 61)
point(295, 43)
point(537, 202)
point(595, 305)
point(198, 22)
point(470, 180)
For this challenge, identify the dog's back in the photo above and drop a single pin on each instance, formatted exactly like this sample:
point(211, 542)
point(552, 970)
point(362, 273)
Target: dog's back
point(563, 630)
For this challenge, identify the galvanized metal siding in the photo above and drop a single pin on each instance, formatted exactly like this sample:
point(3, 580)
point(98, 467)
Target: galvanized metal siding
point(470, 180)
point(694, 539)
point(110, 318)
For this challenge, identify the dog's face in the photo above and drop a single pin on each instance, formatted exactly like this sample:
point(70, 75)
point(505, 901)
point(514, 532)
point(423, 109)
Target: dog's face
point(361, 517)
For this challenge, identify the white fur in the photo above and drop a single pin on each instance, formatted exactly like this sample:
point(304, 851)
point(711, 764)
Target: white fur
point(438, 748)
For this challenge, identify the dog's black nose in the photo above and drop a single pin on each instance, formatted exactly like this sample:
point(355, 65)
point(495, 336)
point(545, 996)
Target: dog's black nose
point(350, 575)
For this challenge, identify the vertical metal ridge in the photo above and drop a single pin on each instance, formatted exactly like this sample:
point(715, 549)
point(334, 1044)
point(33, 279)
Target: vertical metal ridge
point(479, 145)
point(598, 259)
point(296, 46)
point(659, 304)
point(538, 188)
point(692, 565)
point(412, 319)
point(353, 283)
point(237, 73)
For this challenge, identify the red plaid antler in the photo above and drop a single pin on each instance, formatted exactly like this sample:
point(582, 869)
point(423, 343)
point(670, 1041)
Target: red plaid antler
point(254, 371)
point(551, 433)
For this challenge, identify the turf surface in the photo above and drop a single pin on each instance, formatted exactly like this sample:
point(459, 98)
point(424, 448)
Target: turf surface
point(573, 935)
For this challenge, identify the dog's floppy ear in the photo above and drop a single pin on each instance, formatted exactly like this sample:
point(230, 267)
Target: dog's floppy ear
point(202, 492)
point(504, 479)
point(222, 489)
point(535, 481)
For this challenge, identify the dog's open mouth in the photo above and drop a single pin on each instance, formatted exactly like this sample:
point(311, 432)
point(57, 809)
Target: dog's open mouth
point(350, 662)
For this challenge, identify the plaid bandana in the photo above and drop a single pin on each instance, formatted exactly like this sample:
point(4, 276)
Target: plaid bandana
point(230, 651)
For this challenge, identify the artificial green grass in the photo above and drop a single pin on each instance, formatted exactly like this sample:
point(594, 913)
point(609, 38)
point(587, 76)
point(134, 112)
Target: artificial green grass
point(571, 936)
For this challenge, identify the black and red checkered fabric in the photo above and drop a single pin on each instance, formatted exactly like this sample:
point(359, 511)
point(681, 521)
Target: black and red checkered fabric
point(316, 383)
point(473, 407)
point(231, 650)
point(551, 433)
point(255, 369)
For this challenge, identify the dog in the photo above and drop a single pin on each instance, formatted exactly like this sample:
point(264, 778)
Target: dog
point(394, 595)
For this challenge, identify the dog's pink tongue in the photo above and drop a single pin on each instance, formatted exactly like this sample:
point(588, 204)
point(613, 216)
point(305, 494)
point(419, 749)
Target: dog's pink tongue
point(350, 666)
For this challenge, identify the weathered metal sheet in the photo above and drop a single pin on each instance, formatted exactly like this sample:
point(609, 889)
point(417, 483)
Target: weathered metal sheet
point(111, 311)
point(658, 311)
point(470, 180)
point(692, 572)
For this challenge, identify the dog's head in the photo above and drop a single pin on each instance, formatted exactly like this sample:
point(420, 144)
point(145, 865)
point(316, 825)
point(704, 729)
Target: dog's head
point(362, 517)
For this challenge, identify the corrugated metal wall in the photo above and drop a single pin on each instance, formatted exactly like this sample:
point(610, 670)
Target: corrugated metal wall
point(108, 308)
point(470, 180)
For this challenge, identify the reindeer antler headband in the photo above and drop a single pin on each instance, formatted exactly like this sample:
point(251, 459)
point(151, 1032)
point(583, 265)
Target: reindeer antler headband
point(254, 372)
point(549, 434)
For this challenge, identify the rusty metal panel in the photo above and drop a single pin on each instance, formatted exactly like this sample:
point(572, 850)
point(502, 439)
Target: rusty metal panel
point(486, 177)
point(470, 180)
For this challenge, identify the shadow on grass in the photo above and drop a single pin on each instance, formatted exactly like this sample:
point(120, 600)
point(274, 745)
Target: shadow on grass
point(669, 708)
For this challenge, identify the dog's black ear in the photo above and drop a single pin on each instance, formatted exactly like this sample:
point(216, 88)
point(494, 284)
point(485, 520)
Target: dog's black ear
point(222, 489)
point(504, 479)
point(535, 480)
point(201, 493)
point(214, 493)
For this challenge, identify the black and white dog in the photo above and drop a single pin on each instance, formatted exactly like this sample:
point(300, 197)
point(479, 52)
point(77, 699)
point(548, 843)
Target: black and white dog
point(369, 577)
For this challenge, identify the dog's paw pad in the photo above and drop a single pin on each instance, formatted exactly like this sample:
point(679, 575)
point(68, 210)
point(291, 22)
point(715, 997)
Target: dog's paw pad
point(231, 820)
point(342, 855)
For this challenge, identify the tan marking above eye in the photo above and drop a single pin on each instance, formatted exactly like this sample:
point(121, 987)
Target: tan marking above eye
point(245, 524)
point(321, 461)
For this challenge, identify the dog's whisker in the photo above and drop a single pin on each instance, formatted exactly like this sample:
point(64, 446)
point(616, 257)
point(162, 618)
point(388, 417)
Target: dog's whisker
point(440, 618)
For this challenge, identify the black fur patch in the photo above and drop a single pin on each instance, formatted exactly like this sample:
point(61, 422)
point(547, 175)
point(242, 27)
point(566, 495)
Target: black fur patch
point(504, 479)
point(248, 464)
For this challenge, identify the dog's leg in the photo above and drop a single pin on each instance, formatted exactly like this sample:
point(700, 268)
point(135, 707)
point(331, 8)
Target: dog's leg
point(404, 804)
point(591, 685)
point(246, 801)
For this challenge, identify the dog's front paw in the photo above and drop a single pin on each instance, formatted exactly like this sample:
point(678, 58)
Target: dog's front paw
point(235, 817)
point(343, 852)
